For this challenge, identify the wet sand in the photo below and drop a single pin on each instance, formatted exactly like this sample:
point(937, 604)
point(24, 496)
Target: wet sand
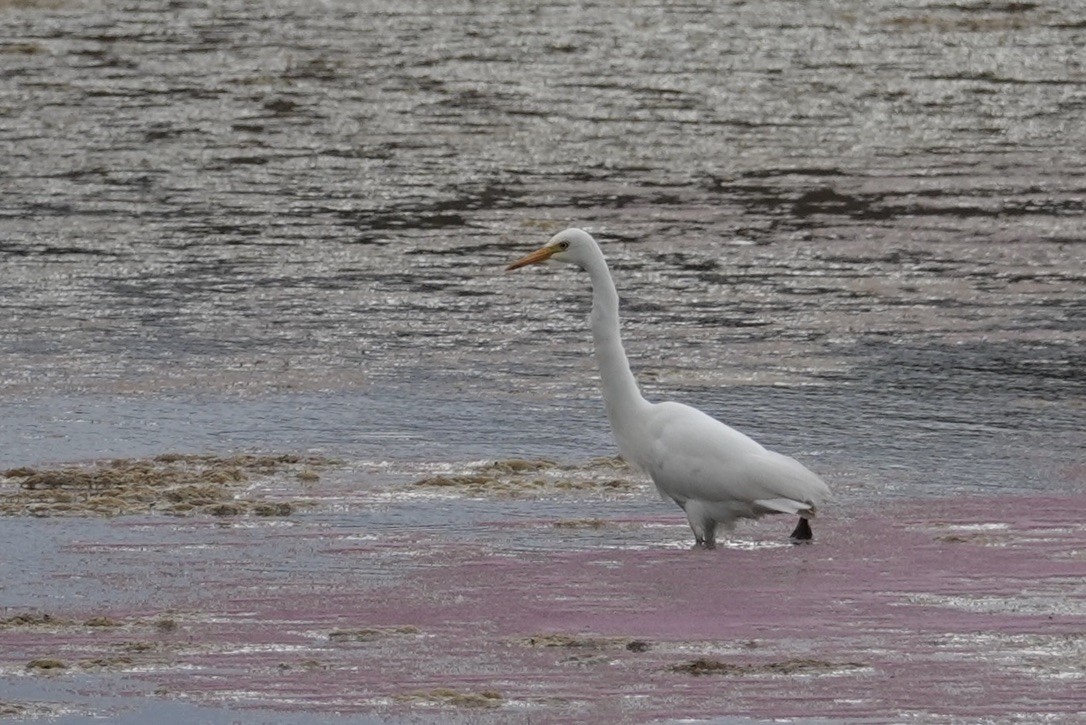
point(932, 609)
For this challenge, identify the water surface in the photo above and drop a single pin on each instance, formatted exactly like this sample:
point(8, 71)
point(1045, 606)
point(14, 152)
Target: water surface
point(852, 230)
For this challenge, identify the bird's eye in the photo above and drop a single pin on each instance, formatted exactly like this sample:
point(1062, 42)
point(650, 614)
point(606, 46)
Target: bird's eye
point(563, 246)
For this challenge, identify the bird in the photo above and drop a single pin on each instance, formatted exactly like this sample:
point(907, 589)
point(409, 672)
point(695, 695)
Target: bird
point(716, 474)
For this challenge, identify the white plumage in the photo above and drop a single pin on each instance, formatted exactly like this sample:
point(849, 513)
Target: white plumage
point(715, 473)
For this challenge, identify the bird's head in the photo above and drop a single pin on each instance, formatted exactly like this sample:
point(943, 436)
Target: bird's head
point(573, 246)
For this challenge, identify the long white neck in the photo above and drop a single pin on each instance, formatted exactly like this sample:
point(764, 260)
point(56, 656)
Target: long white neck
point(621, 396)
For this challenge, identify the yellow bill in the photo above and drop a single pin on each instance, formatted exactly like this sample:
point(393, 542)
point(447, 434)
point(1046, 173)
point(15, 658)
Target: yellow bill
point(536, 257)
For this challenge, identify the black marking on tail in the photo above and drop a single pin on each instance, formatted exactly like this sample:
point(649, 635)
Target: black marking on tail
point(802, 533)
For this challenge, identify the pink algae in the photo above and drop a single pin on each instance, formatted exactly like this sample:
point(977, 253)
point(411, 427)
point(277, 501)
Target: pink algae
point(932, 608)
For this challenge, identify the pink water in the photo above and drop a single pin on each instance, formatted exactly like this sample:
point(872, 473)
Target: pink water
point(930, 609)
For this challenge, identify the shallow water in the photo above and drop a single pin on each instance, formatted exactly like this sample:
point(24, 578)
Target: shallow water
point(980, 599)
point(852, 230)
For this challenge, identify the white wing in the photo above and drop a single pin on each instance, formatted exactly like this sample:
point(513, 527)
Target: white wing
point(693, 456)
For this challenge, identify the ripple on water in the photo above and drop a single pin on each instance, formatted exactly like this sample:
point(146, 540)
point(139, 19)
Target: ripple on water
point(853, 232)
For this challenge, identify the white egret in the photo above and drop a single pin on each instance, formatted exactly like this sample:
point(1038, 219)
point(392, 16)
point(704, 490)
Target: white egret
point(716, 474)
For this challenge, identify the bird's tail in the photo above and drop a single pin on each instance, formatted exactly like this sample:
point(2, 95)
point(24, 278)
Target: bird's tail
point(786, 506)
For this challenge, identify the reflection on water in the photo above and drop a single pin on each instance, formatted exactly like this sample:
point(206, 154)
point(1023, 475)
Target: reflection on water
point(852, 229)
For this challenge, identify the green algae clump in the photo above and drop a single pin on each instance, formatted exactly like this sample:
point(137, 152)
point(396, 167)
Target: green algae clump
point(370, 634)
point(570, 641)
point(707, 666)
point(173, 484)
point(455, 698)
point(46, 664)
point(524, 478)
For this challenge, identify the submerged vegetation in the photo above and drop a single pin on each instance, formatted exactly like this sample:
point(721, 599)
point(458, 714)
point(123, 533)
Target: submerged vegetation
point(449, 697)
point(707, 666)
point(92, 643)
point(370, 634)
point(519, 478)
point(174, 484)
point(567, 641)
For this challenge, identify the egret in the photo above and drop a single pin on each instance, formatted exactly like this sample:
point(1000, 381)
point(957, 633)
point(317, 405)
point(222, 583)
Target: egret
point(716, 474)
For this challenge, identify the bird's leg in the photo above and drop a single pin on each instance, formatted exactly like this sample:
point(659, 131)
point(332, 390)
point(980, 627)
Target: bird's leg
point(703, 543)
point(802, 534)
point(704, 528)
point(699, 537)
point(710, 534)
